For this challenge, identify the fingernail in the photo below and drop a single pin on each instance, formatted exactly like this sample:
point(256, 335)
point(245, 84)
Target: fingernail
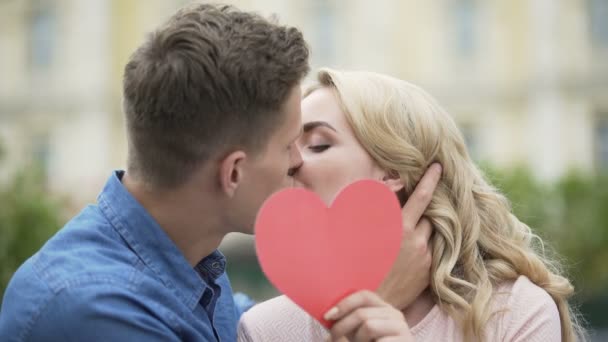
point(437, 167)
point(331, 314)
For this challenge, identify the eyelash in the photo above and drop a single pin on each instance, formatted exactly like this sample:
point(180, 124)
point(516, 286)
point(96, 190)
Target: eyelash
point(318, 148)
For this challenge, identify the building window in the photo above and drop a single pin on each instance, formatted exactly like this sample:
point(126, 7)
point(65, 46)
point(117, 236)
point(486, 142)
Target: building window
point(598, 19)
point(42, 29)
point(601, 142)
point(465, 18)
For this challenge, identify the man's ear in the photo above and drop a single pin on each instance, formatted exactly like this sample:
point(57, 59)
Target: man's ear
point(231, 172)
point(393, 181)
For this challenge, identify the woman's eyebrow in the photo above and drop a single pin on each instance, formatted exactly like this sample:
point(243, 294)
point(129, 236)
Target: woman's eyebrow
point(309, 126)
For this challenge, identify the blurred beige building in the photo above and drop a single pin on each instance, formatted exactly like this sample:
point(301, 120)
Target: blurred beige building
point(526, 80)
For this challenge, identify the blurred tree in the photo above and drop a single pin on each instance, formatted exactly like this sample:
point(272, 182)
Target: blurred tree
point(584, 231)
point(571, 216)
point(28, 217)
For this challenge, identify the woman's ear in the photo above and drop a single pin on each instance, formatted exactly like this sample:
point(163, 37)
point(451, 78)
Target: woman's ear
point(393, 181)
point(231, 172)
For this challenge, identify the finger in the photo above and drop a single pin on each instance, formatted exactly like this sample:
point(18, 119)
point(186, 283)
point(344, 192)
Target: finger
point(426, 246)
point(421, 238)
point(378, 328)
point(421, 197)
point(348, 325)
point(363, 298)
point(425, 228)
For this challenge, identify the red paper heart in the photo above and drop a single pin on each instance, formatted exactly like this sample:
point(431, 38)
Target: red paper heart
point(318, 255)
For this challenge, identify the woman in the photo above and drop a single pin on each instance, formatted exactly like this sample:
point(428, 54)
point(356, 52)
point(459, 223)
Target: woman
point(489, 279)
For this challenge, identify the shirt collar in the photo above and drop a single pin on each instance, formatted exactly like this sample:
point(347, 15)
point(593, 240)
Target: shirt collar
point(150, 242)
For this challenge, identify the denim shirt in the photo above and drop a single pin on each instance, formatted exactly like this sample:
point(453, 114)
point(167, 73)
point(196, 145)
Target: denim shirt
point(112, 274)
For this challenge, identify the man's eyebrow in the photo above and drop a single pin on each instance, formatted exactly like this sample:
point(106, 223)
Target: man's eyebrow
point(309, 126)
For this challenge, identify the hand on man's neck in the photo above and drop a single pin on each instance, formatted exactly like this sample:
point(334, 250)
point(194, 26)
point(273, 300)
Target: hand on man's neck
point(191, 222)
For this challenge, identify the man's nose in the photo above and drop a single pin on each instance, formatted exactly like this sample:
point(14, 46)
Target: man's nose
point(293, 170)
point(296, 162)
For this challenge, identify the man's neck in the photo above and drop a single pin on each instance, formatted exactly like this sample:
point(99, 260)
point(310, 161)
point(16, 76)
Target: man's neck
point(187, 220)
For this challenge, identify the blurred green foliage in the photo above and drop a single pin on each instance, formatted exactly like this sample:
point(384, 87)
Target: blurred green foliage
point(571, 216)
point(28, 217)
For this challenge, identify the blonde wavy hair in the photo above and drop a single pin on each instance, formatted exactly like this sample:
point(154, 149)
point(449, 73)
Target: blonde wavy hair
point(478, 243)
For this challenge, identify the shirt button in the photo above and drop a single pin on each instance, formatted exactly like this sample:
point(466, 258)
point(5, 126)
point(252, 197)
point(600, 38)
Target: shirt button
point(216, 265)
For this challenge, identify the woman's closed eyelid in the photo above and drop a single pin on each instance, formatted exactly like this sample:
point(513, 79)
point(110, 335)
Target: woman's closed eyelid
point(316, 141)
point(319, 147)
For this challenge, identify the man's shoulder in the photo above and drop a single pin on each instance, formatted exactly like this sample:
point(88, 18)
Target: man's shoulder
point(37, 304)
point(85, 254)
point(87, 250)
point(53, 270)
point(81, 309)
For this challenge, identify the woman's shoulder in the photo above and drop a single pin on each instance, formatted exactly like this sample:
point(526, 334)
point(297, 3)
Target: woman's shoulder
point(271, 308)
point(526, 310)
point(279, 319)
point(523, 295)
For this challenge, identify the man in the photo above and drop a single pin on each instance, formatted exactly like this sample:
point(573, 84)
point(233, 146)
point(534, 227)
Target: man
point(212, 107)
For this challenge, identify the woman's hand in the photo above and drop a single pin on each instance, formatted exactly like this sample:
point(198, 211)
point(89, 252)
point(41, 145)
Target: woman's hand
point(410, 274)
point(364, 316)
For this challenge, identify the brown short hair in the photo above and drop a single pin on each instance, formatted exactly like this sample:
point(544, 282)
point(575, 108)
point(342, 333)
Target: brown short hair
point(212, 78)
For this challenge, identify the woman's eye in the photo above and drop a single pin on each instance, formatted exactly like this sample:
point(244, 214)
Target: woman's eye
point(318, 148)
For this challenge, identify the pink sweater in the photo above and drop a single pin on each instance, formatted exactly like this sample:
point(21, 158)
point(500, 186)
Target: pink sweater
point(530, 315)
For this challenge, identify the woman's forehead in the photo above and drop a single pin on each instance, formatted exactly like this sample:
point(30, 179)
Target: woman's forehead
point(322, 105)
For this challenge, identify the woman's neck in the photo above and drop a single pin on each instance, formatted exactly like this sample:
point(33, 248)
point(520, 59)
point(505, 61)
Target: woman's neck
point(419, 308)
